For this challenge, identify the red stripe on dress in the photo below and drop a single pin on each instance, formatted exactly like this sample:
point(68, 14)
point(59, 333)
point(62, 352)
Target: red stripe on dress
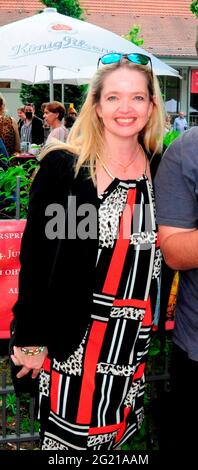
point(147, 320)
point(54, 394)
point(104, 429)
point(121, 247)
point(130, 303)
point(139, 372)
point(88, 380)
point(46, 364)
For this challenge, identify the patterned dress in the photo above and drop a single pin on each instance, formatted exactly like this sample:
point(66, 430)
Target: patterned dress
point(94, 399)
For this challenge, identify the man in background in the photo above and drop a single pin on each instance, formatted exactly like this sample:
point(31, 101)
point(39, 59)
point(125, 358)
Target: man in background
point(180, 124)
point(31, 129)
point(176, 192)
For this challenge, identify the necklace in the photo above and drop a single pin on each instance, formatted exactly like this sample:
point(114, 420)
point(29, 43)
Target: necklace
point(109, 172)
point(125, 167)
point(105, 167)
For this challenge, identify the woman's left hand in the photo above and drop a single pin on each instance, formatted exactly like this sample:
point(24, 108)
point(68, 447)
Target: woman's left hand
point(33, 363)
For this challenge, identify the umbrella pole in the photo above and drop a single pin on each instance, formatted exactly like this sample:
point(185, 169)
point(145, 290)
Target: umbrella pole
point(62, 92)
point(51, 83)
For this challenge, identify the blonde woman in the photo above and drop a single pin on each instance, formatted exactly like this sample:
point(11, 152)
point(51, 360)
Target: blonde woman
point(90, 263)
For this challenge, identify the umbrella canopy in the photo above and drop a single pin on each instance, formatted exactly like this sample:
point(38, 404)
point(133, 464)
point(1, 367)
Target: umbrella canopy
point(54, 40)
point(171, 106)
point(40, 74)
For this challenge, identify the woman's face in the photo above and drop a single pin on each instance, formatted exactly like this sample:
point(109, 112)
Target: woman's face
point(21, 114)
point(125, 105)
point(49, 117)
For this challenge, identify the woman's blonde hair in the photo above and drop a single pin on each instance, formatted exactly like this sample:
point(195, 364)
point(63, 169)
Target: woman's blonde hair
point(86, 136)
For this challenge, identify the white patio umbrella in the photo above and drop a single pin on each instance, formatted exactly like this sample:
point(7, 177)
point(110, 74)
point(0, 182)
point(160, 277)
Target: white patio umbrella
point(53, 40)
point(171, 107)
point(30, 74)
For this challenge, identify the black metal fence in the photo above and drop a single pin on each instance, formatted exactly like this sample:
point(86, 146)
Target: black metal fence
point(12, 417)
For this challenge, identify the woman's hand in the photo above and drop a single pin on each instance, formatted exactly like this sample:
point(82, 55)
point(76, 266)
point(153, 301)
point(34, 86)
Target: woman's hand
point(33, 362)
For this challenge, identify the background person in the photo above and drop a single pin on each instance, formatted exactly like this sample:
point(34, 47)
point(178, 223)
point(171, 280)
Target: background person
point(21, 116)
point(177, 216)
point(180, 124)
point(4, 157)
point(8, 130)
point(46, 127)
point(54, 113)
point(71, 117)
point(85, 320)
point(31, 129)
point(168, 123)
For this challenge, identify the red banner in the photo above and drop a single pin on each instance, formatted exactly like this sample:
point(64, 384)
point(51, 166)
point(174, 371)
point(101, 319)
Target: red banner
point(11, 232)
point(194, 81)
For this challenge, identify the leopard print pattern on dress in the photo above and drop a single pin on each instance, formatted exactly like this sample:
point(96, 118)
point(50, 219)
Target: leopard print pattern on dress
point(110, 212)
point(51, 444)
point(73, 365)
point(44, 383)
point(7, 134)
point(157, 264)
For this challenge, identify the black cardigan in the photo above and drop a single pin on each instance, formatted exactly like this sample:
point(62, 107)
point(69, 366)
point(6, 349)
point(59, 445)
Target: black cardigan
point(55, 312)
point(55, 315)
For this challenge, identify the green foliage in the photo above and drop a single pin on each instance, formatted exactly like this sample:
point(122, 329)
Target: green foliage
point(26, 425)
point(132, 36)
point(155, 347)
point(167, 349)
point(138, 441)
point(194, 7)
point(11, 403)
point(8, 189)
point(10, 419)
point(36, 94)
point(66, 7)
point(170, 136)
point(39, 94)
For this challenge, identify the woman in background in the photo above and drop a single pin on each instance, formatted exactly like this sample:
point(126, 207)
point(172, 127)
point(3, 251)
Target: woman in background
point(8, 130)
point(53, 115)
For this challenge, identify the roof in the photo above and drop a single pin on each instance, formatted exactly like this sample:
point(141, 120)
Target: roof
point(172, 36)
point(14, 10)
point(140, 7)
point(21, 5)
point(168, 27)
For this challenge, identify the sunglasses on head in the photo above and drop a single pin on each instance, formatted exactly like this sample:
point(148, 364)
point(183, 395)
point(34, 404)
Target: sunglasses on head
point(115, 57)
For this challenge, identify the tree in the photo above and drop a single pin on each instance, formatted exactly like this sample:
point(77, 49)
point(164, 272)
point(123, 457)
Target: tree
point(66, 7)
point(39, 94)
point(132, 36)
point(194, 7)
